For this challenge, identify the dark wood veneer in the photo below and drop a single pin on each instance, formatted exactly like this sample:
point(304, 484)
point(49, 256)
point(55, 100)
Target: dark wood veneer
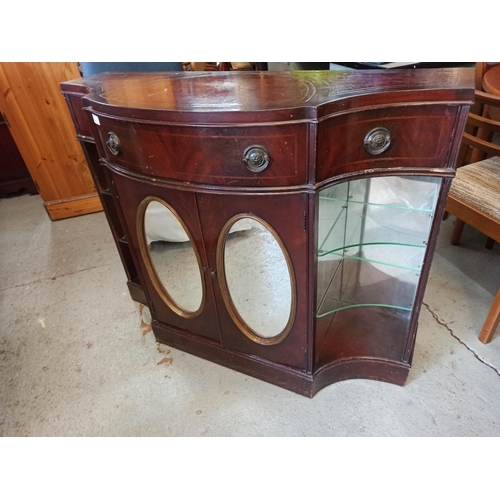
point(208, 155)
point(182, 141)
point(14, 175)
point(420, 138)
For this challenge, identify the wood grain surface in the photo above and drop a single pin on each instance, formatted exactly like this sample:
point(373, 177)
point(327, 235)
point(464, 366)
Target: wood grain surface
point(43, 130)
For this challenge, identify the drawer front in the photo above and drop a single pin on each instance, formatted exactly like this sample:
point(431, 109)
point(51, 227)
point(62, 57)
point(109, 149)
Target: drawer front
point(411, 136)
point(208, 155)
point(80, 118)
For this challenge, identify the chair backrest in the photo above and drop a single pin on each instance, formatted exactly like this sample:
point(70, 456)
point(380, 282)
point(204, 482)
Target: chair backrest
point(482, 133)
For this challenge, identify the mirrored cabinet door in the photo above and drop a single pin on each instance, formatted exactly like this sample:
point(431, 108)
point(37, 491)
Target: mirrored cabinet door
point(260, 256)
point(165, 231)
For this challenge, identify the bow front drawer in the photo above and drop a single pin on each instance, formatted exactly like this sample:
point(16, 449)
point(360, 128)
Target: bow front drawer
point(257, 156)
point(409, 136)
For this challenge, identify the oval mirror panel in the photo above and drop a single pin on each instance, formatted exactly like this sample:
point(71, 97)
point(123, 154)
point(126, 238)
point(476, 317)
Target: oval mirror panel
point(259, 281)
point(174, 263)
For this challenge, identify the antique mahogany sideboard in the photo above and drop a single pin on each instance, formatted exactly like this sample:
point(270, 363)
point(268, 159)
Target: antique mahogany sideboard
point(280, 224)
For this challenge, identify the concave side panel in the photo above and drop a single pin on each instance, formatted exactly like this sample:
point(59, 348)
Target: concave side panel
point(372, 240)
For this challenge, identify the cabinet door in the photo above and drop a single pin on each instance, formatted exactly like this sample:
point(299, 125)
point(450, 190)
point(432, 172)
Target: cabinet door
point(257, 252)
point(163, 227)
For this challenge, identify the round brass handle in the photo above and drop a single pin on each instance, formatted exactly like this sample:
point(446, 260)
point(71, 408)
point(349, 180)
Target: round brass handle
point(256, 158)
point(377, 140)
point(114, 144)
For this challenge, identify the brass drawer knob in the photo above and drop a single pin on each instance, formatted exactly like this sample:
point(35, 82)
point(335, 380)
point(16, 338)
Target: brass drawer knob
point(256, 158)
point(377, 140)
point(114, 144)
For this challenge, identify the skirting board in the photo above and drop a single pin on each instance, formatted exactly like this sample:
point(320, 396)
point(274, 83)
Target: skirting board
point(72, 207)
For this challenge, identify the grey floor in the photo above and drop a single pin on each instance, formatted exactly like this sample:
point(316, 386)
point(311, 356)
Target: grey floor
point(78, 357)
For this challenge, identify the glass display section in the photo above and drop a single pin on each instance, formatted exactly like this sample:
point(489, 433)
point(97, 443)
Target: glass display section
point(371, 243)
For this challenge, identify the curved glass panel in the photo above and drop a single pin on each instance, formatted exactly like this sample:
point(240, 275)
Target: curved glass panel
point(173, 258)
point(372, 238)
point(258, 279)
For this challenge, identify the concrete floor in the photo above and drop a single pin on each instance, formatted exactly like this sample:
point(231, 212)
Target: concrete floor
point(79, 359)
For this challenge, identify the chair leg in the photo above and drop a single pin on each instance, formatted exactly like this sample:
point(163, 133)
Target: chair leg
point(489, 243)
point(457, 232)
point(492, 321)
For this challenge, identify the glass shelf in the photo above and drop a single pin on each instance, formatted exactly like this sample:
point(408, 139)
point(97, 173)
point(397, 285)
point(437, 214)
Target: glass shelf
point(375, 204)
point(347, 248)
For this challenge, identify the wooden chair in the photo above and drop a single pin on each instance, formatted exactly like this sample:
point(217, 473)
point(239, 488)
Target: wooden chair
point(475, 192)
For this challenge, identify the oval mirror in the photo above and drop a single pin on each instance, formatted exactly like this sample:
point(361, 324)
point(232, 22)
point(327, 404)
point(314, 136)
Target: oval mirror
point(257, 279)
point(171, 258)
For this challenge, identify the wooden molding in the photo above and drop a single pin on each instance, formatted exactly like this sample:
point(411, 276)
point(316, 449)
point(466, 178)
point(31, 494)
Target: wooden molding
point(470, 215)
point(72, 207)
